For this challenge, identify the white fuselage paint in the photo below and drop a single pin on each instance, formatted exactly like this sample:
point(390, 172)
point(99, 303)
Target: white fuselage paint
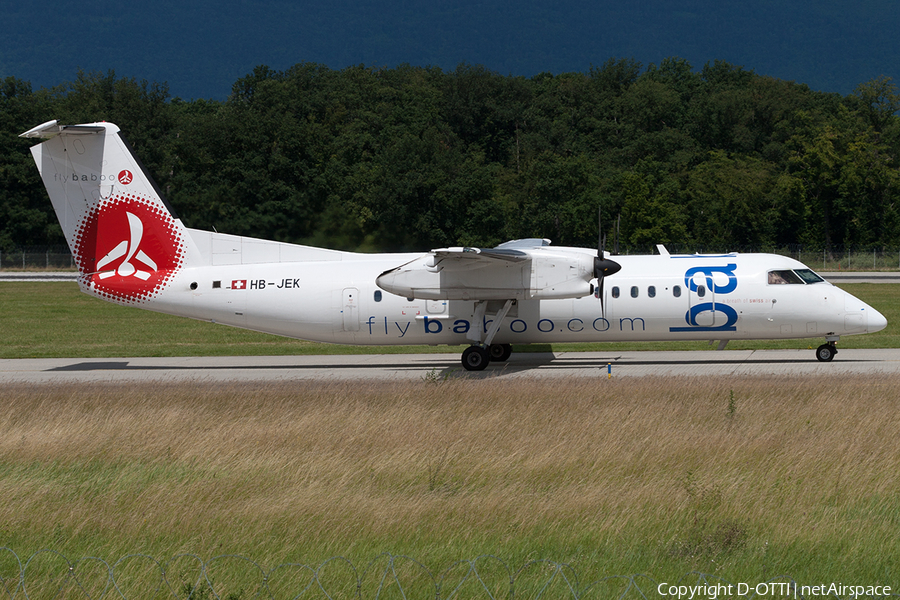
point(335, 301)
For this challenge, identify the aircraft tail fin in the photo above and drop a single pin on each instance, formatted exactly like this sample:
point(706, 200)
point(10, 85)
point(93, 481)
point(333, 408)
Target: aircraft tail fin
point(127, 242)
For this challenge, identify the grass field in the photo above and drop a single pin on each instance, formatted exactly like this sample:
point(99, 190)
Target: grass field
point(743, 478)
point(56, 320)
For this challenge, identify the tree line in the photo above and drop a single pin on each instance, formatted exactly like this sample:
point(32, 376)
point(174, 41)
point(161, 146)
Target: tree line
point(413, 158)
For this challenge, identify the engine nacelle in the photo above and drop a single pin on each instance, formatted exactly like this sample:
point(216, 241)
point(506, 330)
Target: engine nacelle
point(474, 274)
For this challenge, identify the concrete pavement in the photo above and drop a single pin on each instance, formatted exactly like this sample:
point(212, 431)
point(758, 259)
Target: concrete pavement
point(404, 367)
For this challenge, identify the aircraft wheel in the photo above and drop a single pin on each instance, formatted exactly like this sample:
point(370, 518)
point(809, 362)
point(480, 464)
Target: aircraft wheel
point(826, 352)
point(475, 358)
point(500, 352)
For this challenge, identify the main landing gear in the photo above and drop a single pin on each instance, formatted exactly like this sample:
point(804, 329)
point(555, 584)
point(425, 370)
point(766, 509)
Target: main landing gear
point(826, 351)
point(500, 352)
point(477, 356)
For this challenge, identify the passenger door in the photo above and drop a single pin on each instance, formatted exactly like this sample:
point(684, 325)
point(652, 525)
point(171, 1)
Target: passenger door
point(350, 309)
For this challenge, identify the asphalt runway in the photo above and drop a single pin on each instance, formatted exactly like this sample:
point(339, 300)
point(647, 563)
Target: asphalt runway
point(405, 367)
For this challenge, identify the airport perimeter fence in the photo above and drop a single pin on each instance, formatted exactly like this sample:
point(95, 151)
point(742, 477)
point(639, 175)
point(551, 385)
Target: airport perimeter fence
point(835, 258)
point(37, 258)
point(49, 574)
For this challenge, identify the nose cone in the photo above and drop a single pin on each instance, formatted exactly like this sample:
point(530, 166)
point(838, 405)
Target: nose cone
point(859, 317)
point(876, 320)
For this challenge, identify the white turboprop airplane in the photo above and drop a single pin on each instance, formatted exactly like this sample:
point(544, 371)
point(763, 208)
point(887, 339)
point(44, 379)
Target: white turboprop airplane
point(131, 249)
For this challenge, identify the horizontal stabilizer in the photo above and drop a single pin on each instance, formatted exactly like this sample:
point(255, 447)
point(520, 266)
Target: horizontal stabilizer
point(52, 128)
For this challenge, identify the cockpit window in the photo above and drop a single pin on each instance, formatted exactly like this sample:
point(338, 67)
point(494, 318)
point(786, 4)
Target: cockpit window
point(783, 277)
point(808, 276)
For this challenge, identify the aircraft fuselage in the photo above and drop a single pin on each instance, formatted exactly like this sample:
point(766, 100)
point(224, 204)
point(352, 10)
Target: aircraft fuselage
point(679, 297)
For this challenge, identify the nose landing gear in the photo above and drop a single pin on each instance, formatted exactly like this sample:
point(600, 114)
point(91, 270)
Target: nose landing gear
point(826, 351)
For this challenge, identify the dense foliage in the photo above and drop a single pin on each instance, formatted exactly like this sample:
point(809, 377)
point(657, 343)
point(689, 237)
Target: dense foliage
point(415, 158)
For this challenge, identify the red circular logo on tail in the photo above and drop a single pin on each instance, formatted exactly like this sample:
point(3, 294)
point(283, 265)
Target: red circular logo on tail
point(130, 247)
point(125, 177)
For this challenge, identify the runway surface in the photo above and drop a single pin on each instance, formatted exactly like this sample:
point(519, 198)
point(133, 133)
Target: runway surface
point(399, 367)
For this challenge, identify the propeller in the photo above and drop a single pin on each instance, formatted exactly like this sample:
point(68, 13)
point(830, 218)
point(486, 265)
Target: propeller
point(616, 245)
point(603, 267)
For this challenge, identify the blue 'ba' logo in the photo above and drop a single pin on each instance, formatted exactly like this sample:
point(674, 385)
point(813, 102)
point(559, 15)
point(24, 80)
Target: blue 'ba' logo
point(717, 286)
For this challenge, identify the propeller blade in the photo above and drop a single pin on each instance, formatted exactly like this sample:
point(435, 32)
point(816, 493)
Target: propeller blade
point(616, 245)
point(603, 266)
point(601, 243)
point(600, 296)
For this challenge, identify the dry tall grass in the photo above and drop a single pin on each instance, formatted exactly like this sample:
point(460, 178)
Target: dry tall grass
point(651, 474)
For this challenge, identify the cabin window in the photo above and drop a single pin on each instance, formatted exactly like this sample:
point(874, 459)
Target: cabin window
point(651, 291)
point(377, 295)
point(217, 285)
point(701, 291)
point(808, 276)
point(676, 291)
point(634, 291)
point(784, 278)
point(615, 291)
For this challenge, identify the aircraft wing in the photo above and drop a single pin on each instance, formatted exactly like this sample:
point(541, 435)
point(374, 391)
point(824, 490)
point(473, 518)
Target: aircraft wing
point(475, 257)
point(521, 269)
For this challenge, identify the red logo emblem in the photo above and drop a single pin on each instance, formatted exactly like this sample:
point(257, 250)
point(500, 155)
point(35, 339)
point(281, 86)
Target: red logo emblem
point(125, 177)
point(128, 249)
point(239, 284)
